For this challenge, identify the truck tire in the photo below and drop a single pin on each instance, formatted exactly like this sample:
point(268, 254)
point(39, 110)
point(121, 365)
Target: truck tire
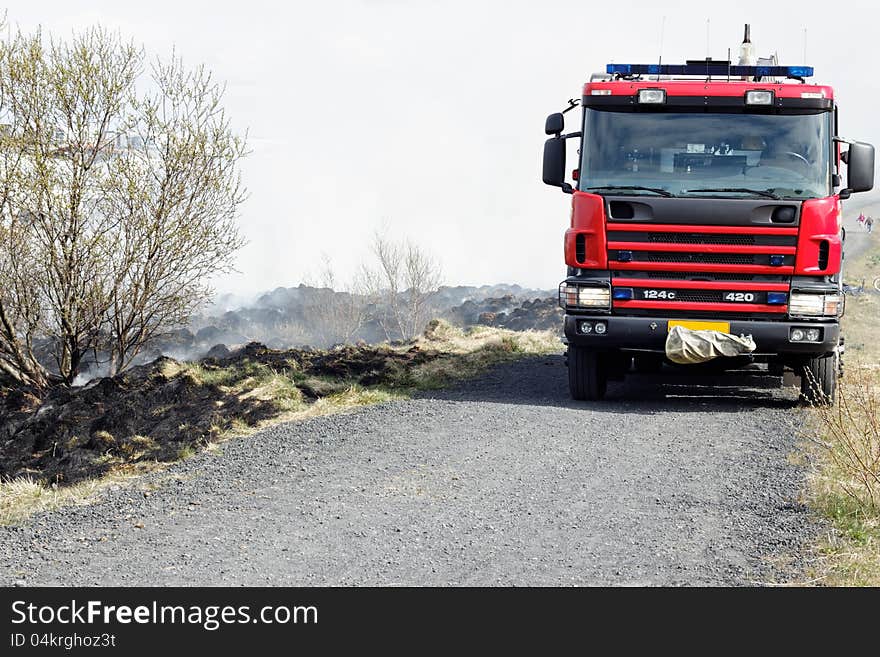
point(587, 378)
point(819, 380)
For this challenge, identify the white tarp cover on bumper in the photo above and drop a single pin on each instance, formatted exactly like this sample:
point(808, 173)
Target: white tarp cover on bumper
point(686, 346)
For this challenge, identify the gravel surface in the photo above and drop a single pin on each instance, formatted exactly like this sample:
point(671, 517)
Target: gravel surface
point(500, 481)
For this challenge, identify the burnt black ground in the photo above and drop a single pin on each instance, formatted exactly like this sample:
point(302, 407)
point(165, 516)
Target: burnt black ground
point(502, 480)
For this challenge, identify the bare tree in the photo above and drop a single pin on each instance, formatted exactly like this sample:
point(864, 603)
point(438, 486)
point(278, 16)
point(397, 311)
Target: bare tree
point(401, 286)
point(116, 204)
point(18, 319)
point(175, 195)
point(340, 310)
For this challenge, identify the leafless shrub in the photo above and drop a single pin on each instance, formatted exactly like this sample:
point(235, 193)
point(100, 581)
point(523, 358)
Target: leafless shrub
point(401, 285)
point(851, 438)
point(340, 309)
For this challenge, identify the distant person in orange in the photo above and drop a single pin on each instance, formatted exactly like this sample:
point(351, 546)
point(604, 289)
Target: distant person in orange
point(861, 219)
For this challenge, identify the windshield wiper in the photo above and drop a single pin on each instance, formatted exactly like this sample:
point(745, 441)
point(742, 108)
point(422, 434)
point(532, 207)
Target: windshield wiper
point(656, 190)
point(743, 190)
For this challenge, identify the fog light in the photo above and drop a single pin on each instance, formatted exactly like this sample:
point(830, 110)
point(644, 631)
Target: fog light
point(797, 335)
point(586, 327)
point(601, 328)
point(759, 97)
point(652, 96)
point(812, 335)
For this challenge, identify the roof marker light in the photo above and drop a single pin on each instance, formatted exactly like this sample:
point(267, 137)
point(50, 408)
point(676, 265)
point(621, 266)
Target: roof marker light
point(759, 97)
point(652, 96)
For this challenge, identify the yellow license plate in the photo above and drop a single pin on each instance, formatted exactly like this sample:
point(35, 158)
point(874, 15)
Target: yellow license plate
point(724, 327)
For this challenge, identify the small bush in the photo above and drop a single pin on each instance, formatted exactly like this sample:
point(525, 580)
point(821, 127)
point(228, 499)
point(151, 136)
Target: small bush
point(851, 439)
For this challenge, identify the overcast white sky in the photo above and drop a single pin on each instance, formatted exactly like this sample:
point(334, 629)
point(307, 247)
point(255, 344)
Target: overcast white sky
point(428, 116)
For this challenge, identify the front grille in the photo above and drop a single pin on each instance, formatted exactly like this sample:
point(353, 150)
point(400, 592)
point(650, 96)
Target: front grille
point(663, 237)
point(709, 258)
point(649, 262)
point(681, 257)
point(694, 238)
point(700, 276)
point(700, 296)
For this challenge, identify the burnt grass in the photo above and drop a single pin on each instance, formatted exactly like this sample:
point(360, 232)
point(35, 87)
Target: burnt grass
point(159, 412)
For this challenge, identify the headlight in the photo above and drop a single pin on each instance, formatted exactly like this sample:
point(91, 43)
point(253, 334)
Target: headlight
point(815, 305)
point(592, 297)
point(581, 296)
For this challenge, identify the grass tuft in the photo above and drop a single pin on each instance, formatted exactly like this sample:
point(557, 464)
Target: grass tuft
point(844, 449)
point(22, 497)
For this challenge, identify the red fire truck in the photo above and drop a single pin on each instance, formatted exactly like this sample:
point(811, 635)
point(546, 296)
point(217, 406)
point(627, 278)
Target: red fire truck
point(707, 195)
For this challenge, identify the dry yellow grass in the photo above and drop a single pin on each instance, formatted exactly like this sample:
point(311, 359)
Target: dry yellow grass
point(23, 496)
point(845, 446)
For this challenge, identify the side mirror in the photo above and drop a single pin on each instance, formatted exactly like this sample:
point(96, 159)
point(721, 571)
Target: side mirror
point(860, 167)
point(555, 124)
point(554, 164)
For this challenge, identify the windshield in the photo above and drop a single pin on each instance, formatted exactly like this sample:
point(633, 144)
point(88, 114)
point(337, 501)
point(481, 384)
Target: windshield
point(679, 153)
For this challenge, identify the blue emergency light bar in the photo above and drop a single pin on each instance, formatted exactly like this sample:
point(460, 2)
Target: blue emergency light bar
point(711, 69)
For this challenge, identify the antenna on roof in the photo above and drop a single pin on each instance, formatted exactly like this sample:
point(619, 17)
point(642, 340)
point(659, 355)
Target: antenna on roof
point(660, 59)
point(708, 50)
point(805, 46)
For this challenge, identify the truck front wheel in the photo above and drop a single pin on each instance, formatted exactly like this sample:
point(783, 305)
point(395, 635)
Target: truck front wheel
point(587, 375)
point(819, 380)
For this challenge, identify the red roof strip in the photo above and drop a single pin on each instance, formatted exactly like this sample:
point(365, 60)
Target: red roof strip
point(702, 88)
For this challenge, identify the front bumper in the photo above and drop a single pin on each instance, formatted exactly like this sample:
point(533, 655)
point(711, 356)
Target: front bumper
point(649, 334)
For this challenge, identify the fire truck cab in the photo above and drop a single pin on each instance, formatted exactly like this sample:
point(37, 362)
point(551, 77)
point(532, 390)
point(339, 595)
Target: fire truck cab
point(706, 195)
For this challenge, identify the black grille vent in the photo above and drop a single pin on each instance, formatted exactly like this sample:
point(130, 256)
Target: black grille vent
point(824, 248)
point(697, 276)
point(580, 247)
point(695, 238)
point(710, 258)
point(699, 296)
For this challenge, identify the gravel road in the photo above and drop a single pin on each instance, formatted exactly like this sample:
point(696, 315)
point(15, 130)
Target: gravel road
point(500, 481)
